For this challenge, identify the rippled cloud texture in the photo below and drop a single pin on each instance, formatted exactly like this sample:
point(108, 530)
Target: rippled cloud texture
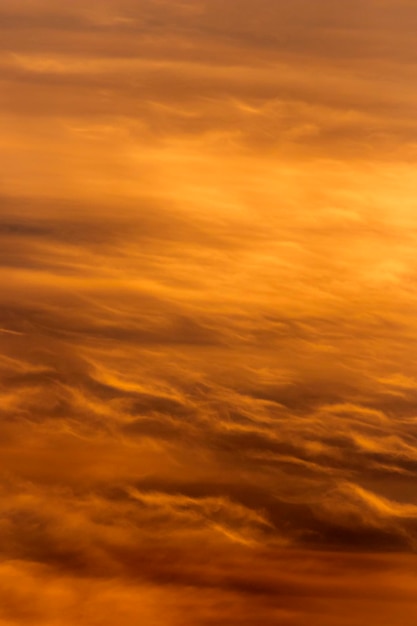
point(208, 313)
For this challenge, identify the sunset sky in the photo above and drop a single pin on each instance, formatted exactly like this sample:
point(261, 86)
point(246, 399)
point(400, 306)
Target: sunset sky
point(208, 313)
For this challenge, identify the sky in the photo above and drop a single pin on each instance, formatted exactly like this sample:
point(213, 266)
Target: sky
point(208, 383)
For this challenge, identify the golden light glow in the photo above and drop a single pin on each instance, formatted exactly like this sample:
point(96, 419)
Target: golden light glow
point(208, 379)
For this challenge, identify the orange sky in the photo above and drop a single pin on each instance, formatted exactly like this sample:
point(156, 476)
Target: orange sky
point(208, 381)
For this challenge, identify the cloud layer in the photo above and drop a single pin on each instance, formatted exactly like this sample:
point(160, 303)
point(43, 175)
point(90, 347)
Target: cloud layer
point(207, 329)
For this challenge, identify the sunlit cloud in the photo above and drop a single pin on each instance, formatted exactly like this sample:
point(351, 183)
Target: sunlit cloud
point(207, 316)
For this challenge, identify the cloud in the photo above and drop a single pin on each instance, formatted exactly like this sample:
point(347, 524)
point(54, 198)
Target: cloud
point(207, 328)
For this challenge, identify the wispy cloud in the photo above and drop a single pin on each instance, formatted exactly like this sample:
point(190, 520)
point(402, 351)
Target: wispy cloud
point(207, 328)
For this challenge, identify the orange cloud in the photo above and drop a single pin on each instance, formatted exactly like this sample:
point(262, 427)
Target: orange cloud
point(207, 328)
